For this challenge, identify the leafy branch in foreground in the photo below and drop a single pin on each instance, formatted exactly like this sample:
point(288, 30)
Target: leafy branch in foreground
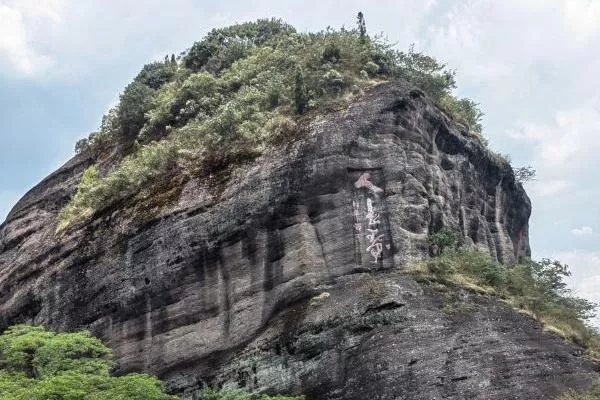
point(36, 364)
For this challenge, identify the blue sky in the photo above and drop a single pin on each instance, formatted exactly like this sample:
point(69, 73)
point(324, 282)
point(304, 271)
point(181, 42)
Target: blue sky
point(533, 65)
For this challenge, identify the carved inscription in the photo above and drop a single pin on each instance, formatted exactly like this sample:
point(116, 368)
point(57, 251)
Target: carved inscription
point(368, 224)
point(375, 239)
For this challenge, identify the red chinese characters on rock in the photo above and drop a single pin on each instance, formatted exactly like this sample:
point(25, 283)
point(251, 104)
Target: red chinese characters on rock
point(372, 235)
point(364, 182)
point(375, 239)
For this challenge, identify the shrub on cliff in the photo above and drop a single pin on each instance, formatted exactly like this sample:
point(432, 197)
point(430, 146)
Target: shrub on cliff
point(465, 111)
point(537, 287)
point(443, 239)
point(36, 364)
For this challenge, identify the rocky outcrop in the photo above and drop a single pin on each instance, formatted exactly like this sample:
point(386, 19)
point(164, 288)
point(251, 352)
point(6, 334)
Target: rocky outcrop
point(289, 276)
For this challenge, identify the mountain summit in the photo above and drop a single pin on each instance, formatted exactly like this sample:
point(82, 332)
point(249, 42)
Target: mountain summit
point(251, 216)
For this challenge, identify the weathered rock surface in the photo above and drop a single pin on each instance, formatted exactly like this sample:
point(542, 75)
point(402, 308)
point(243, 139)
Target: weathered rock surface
point(216, 287)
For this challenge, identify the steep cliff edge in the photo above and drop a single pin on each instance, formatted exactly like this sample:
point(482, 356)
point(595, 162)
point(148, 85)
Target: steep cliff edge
point(289, 276)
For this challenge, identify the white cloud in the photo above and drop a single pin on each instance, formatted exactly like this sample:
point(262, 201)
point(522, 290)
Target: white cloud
point(585, 269)
point(567, 145)
point(16, 50)
point(585, 274)
point(581, 17)
point(583, 231)
point(547, 188)
point(79, 38)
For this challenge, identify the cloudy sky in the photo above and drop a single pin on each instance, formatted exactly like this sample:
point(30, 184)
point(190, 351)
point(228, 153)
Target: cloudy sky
point(532, 65)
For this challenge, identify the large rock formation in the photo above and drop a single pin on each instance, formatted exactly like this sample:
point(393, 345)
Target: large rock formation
point(288, 276)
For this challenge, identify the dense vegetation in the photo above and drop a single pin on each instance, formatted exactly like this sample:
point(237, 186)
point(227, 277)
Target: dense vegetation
point(236, 394)
point(236, 93)
point(534, 287)
point(36, 364)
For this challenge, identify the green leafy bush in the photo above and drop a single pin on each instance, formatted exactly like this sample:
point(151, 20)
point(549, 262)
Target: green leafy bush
point(156, 74)
point(224, 46)
point(36, 364)
point(465, 111)
point(236, 394)
point(443, 239)
point(135, 102)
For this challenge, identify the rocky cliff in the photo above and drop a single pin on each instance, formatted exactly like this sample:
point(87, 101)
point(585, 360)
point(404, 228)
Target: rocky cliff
point(289, 276)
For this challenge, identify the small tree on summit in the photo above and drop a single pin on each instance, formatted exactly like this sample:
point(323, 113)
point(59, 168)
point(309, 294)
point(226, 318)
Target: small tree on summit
point(362, 27)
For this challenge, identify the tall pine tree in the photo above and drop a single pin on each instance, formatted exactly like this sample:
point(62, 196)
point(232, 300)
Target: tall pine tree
point(362, 27)
point(300, 93)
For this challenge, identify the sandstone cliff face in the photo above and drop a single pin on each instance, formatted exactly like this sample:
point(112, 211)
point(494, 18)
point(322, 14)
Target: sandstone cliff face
point(290, 278)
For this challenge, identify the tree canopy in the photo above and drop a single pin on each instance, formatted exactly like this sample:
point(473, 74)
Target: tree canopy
point(37, 364)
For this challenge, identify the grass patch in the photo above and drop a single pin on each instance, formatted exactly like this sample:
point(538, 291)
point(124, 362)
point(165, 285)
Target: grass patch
point(593, 393)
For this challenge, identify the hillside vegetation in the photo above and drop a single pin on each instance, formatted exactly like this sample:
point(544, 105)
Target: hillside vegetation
point(537, 288)
point(37, 364)
point(235, 94)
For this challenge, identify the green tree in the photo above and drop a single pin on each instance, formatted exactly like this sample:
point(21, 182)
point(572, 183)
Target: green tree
point(300, 93)
point(230, 43)
point(237, 394)
point(219, 107)
point(136, 101)
point(362, 27)
point(443, 239)
point(156, 74)
point(37, 364)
